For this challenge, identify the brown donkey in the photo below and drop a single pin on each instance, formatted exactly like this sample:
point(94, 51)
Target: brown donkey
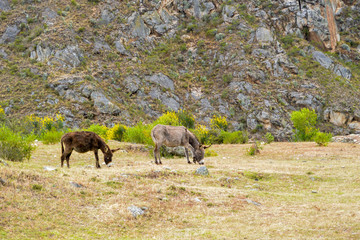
point(83, 142)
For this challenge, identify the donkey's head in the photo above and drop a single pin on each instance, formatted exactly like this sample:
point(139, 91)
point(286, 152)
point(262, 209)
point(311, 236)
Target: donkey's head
point(199, 154)
point(108, 154)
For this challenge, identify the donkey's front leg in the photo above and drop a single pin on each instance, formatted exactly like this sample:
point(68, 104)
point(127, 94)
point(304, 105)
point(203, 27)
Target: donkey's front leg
point(97, 158)
point(187, 155)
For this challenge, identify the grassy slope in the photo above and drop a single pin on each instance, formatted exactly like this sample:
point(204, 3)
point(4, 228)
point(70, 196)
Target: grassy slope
point(37, 204)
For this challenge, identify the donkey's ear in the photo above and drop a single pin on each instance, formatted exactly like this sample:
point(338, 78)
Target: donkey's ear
point(114, 150)
point(205, 147)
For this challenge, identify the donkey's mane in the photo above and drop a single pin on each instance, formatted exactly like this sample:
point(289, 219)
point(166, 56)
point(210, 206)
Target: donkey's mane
point(194, 142)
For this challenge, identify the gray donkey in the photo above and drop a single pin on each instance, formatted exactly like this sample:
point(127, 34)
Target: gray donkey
point(173, 136)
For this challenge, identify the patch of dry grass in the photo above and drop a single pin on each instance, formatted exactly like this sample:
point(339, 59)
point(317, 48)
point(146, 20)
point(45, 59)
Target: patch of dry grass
point(305, 192)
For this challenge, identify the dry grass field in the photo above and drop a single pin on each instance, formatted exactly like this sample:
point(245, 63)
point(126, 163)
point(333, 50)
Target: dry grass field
point(289, 191)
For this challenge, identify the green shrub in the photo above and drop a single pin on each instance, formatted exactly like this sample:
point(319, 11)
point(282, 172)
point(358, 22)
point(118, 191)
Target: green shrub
point(288, 40)
point(51, 137)
point(235, 137)
point(211, 32)
point(322, 139)
point(117, 132)
point(186, 119)
point(210, 153)
point(269, 137)
point(304, 122)
point(99, 130)
point(227, 78)
point(254, 149)
point(139, 134)
point(13, 146)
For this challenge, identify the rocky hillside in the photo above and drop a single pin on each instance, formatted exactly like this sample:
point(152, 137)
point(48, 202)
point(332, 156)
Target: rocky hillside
point(253, 61)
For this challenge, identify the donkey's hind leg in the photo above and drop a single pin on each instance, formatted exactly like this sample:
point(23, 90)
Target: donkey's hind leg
point(157, 153)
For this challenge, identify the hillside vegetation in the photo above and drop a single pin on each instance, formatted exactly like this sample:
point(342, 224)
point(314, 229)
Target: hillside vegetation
point(124, 62)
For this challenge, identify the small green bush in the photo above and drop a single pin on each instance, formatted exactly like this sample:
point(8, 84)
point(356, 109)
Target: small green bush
point(322, 139)
point(235, 137)
point(254, 149)
point(99, 130)
point(139, 134)
point(51, 137)
point(211, 32)
point(269, 137)
point(304, 122)
point(210, 153)
point(227, 78)
point(13, 146)
point(186, 119)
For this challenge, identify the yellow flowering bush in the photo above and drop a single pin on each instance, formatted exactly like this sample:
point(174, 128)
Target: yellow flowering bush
point(168, 118)
point(202, 133)
point(218, 122)
point(41, 125)
point(117, 132)
point(2, 112)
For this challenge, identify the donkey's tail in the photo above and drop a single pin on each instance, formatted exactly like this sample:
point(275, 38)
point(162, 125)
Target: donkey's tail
point(62, 147)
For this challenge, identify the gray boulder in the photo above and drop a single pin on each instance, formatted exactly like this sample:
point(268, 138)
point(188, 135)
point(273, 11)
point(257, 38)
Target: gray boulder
point(137, 211)
point(74, 96)
point(162, 80)
point(132, 84)
point(103, 104)
point(77, 185)
point(304, 100)
point(328, 63)
point(171, 103)
point(251, 122)
point(106, 17)
point(228, 13)
point(152, 18)
point(100, 46)
point(4, 5)
point(203, 171)
point(342, 71)
point(242, 86)
point(41, 54)
point(121, 49)
point(138, 26)
point(69, 57)
point(244, 101)
point(264, 35)
point(323, 59)
point(162, 28)
point(87, 89)
point(10, 34)
point(49, 16)
point(3, 54)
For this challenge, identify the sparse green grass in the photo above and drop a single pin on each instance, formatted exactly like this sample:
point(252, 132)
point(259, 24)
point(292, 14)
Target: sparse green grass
point(305, 192)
